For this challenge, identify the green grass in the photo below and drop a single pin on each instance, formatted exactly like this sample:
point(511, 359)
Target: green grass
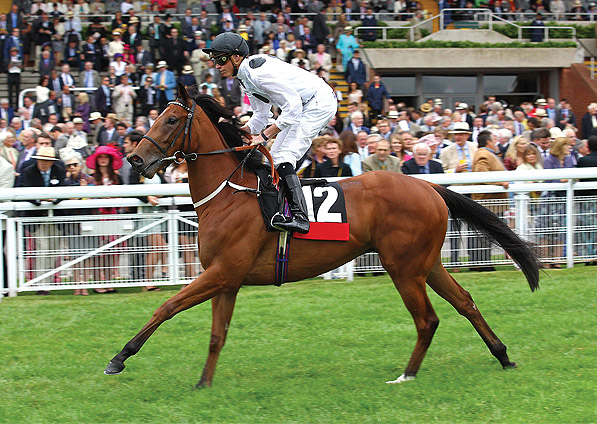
point(307, 352)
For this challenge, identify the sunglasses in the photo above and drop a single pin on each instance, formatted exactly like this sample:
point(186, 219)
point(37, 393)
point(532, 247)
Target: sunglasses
point(221, 60)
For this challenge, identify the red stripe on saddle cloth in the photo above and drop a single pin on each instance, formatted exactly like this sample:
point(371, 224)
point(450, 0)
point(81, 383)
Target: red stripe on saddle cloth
point(325, 231)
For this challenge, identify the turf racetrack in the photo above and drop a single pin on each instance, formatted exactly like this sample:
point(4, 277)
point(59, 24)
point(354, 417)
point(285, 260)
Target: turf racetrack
point(308, 352)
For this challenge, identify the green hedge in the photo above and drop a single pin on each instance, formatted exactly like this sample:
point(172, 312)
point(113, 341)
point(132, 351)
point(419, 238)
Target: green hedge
point(461, 45)
point(582, 31)
point(396, 33)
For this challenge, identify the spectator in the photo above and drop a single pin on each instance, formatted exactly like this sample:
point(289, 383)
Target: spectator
point(164, 83)
point(230, 89)
point(105, 162)
point(588, 123)
point(14, 40)
point(356, 123)
point(43, 31)
point(83, 109)
point(174, 52)
point(72, 55)
point(321, 62)
point(14, 66)
point(107, 133)
point(355, 70)
point(65, 76)
point(541, 138)
point(376, 96)
point(514, 156)
point(381, 160)
point(587, 211)
point(458, 157)
point(116, 45)
point(350, 152)
point(355, 95)
point(345, 47)
point(537, 34)
point(187, 79)
point(147, 96)
point(397, 149)
point(45, 172)
point(369, 20)
point(421, 163)
point(333, 166)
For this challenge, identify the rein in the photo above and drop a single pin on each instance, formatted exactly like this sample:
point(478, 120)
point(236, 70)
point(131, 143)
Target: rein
point(179, 156)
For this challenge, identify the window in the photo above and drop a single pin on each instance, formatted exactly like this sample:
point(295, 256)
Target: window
point(503, 84)
point(435, 84)
point(400, 85)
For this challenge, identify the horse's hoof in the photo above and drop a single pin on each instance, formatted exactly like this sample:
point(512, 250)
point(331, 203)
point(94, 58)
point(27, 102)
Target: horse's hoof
point(401, 379)
point(114, 368)
point(510, 365)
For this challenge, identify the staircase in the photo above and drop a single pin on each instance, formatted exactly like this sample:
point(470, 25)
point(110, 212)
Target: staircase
point(338, 77)
point(28, 80)
point(592, 69)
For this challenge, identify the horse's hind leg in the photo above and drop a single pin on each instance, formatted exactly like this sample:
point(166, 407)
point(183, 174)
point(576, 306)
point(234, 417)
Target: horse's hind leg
point(207, 285)
point(444, 284)
point(412, 291)
point(222, 307)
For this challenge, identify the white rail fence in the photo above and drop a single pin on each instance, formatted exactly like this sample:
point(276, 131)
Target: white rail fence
point(78, 245)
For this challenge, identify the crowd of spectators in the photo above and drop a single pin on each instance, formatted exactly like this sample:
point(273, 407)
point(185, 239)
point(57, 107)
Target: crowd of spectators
point(101, 89)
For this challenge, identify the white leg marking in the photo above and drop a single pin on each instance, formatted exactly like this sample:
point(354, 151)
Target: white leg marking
point(401, 379)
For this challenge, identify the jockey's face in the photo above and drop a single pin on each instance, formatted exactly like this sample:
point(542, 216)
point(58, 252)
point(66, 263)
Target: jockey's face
point(227, 69)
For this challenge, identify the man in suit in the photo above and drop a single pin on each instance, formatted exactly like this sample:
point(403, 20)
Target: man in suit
point(89, 78)
point(6, 112)
point(14, 19)
point(43, 30)
point(47, 171)
point(458, 157)
point(381, 160)
point(186, 22)
point(587, 210)
point(164, 82)
point(174, 51)
point(321, 62)
point(486, 159)
point(355, 70)
point(564, 115)
point(320, 28)
point(588, 122)
point(420, 163)
point(142, 58)
point(107, 133)
point(14, 41)
point(155, 32)
point(103, 97)
point(357, 120)
point(91, 52)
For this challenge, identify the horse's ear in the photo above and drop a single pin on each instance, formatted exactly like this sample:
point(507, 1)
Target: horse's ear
point(182, 92)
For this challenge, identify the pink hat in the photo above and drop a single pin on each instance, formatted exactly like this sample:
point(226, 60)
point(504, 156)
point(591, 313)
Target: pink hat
point(429, 140)
point(105, 150)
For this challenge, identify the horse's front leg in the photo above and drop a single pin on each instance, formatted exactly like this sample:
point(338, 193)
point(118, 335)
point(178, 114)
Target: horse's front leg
point(222, 308)
point(207, 285)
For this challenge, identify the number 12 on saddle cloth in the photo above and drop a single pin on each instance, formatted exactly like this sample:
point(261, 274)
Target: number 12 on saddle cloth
point(327, 213)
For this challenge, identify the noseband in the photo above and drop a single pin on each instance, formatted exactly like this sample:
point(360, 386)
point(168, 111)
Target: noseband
point(179, 156)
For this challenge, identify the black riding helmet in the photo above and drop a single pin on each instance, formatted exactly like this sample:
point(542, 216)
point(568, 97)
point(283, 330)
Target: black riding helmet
point(228, 43)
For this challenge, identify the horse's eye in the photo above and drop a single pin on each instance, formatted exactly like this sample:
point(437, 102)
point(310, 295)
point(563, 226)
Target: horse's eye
point(172, 121)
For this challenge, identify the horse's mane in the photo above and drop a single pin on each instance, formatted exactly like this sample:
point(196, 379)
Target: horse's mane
point(229, 128)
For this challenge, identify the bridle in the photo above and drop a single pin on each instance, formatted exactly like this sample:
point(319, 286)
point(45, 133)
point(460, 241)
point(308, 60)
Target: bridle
point(180, 156)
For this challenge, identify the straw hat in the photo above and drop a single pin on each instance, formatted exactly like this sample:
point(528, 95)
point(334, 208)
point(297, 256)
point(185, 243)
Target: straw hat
point(105, 150)
point(78, 120)
point(187, 69)
point(540, 113)
point(462, 106)
point(45, 153)
point(162, 64)
point(95, 115)
point(461, 128)
point(425, 108)
point(393, 114)
point(347, 28)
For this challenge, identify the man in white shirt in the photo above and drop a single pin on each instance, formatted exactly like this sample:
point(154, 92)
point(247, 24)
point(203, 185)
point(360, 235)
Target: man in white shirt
point(307, 103)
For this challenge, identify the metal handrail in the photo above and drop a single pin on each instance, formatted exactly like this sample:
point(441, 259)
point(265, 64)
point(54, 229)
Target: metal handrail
point(74, 89)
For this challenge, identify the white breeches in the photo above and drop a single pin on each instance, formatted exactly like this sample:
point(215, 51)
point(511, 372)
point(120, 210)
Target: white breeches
point(293, 142)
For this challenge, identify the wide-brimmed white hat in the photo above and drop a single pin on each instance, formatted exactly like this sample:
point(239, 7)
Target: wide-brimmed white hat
point(162, 64)
point(461, 128)
point(45, 153)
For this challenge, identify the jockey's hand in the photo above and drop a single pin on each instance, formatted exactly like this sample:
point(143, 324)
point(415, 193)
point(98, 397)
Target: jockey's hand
point(257, 139)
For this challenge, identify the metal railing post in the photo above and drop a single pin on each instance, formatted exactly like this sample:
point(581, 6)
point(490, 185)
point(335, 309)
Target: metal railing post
point(350, 271)
point(441, 20)
point(11, 255)
point(521, 207)
point(173, 246)
point(570, 224)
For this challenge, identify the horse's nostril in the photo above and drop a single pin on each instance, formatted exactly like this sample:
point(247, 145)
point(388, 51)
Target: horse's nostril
point(136, 160)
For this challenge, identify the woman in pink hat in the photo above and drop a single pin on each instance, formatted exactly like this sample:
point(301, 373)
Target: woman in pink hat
point(105, 161)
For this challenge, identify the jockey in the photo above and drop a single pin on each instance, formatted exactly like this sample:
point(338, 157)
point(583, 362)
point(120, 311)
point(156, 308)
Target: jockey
point(307, 103)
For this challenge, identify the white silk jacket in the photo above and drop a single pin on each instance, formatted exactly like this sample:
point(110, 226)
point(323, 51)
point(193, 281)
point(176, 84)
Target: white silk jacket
point(270, 81)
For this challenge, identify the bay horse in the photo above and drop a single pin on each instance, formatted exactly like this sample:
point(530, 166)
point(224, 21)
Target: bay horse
point(403, 219)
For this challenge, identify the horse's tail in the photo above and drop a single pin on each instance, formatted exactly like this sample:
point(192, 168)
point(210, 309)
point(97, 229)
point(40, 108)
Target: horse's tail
point(488, 224)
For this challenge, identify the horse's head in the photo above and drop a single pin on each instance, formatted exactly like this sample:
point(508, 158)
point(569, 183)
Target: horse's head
point(168, 137)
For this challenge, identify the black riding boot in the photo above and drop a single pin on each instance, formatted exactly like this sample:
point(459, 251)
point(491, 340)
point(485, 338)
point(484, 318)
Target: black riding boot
point(299, 222)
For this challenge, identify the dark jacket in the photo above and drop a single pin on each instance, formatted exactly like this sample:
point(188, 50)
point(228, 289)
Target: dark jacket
point(586, 125)
point(375, 96)
point(358, 74)
point(31, 177)
point(587, 161)
point(101, 103)
point(411, 167)
point(325, 169)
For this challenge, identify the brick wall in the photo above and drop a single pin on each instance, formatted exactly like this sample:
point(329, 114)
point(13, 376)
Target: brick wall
point(577, 86)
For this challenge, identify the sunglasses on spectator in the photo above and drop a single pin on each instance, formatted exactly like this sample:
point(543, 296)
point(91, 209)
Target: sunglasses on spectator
point(221, 60)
